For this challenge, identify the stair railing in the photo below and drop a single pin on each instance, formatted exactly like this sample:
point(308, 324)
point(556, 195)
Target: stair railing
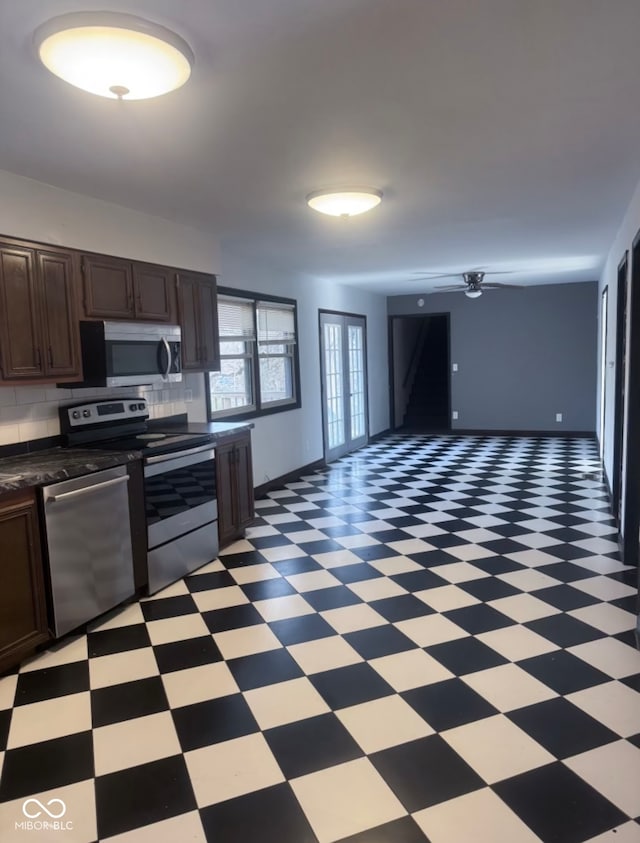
point(415, 353)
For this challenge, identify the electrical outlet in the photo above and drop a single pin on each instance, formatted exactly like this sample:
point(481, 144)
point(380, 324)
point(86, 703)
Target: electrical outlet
point(188, 396)
point(558, 417)
point(455, 367)
point(454, 415)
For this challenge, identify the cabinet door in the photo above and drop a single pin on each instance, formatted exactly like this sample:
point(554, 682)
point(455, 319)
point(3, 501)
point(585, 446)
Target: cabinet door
point(153, 288)
point(209, 336)
point(60, 323)
point(225, 493)
point(244, 483)
point(188, 315)
point(23, 616)
point(20, 332)
point(108, 287)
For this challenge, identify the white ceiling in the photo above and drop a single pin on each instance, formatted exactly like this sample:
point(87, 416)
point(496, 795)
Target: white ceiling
point(505, 134)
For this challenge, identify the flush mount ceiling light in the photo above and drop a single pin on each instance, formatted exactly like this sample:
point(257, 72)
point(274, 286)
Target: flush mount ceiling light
point(114, 55)
point(345, 201)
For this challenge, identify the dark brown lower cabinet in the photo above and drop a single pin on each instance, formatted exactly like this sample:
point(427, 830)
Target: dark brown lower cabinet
point(234, 478)
point(23, 605)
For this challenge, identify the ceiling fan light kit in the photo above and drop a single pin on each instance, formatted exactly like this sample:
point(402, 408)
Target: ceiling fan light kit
point(114, 55)
point(344, 201)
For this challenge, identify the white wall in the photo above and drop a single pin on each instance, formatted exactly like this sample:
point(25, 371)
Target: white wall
point(33, 210)
point(37, 211)
point(284, 442)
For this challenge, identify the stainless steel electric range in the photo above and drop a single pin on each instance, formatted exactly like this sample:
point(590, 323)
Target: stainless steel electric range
point(179, 481)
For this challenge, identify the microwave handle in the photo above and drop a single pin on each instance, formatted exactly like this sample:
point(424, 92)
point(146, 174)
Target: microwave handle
point(165, 374)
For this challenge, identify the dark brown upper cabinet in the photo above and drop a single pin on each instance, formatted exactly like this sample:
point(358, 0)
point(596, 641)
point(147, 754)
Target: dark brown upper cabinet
point(120, 289)
point(39, 335)
point(198, 315)
point(153, 288)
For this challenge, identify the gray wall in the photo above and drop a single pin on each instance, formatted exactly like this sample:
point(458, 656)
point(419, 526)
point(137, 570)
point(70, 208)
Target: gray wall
point(523, 355)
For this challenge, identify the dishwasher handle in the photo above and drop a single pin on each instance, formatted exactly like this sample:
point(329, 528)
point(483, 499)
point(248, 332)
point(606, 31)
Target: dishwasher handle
point(85, 490)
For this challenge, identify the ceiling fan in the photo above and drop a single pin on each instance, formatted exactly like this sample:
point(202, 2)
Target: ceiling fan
point(474, 283)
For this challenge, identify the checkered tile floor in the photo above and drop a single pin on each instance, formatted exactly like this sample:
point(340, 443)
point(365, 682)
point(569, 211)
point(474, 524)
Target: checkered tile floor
point(431, 640)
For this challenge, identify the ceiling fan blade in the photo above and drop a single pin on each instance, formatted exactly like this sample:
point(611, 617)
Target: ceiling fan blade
point(496, 285)
point(450, 287)
point(420, 277)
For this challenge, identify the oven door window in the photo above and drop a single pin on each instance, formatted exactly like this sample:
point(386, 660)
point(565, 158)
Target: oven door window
point(128, 357)
point(176, 491)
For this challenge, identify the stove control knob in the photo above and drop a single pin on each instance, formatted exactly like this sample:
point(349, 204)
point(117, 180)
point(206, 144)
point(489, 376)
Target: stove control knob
point(86, 413)
point(133, 407)
point(75, 414)
point(142, 406)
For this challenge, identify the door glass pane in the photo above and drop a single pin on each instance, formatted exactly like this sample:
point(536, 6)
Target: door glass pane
point(356, 381)
point(334, 385)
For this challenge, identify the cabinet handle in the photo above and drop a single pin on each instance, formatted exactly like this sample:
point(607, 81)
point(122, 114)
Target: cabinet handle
point(50, 356)
point(39, 356)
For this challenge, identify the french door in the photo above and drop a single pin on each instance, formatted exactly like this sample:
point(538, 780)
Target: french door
point(344, 383)
point(604, 318)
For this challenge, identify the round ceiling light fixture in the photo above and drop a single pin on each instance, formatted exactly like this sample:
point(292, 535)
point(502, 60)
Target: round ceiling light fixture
point(114, 55)
point(344, 201)
point(473, 294)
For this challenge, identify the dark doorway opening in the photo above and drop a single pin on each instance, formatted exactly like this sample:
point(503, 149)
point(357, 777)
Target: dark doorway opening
point(631, 511)
point(618, 412)
point(421, 391)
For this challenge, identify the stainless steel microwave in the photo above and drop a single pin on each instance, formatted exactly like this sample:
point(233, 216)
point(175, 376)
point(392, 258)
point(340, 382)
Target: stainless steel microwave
point(128, 354)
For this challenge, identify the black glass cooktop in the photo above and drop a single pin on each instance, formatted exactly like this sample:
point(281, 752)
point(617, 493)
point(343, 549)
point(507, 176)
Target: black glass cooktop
point(152, 443)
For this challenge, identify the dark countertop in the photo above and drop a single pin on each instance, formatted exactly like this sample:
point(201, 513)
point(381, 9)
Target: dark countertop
point(39, 468)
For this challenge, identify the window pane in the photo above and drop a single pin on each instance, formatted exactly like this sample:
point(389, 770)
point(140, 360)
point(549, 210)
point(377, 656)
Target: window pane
point(276, 383)
point(275, 323)
point(270, 349)
point(233, 349)
point(235, 318)
point(231, 386)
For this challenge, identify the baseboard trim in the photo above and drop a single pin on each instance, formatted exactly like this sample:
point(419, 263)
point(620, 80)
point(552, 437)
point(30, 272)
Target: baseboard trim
point(377, 436)
point(291, 477)
point(562, 434)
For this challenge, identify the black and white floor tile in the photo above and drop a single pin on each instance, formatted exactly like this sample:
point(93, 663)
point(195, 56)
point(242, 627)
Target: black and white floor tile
point(432, 640)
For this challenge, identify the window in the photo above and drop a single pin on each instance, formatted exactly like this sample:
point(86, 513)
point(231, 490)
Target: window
point(258, 357)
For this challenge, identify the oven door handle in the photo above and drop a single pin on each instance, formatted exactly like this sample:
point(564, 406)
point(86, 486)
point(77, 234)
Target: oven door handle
point(175, 455)
point(85, 490)
point(167, 350)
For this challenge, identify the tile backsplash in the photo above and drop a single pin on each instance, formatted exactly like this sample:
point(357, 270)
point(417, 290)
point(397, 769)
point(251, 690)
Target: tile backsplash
point(31, 412)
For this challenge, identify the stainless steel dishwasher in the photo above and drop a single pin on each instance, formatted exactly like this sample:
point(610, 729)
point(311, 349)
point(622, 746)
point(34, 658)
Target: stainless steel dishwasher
point(88, 540)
